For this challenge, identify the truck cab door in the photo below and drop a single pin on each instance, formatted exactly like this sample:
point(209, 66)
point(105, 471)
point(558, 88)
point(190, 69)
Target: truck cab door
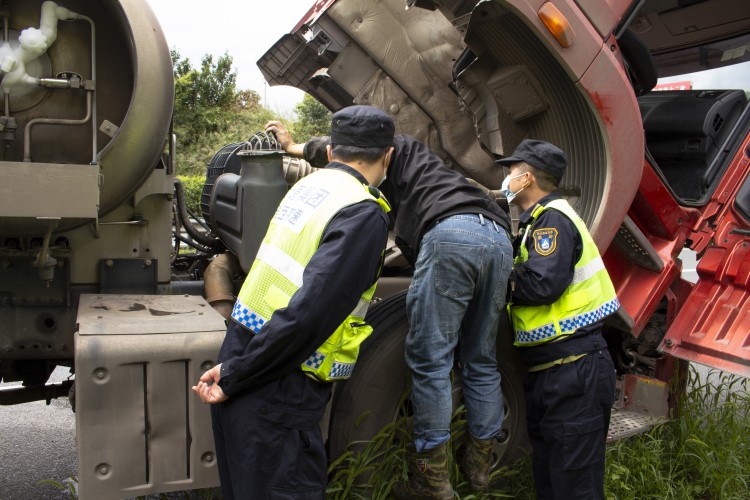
point(713, 326)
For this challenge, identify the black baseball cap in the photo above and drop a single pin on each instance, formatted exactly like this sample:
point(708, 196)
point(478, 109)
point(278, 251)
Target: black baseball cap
point(363, 126)
point(539, 154)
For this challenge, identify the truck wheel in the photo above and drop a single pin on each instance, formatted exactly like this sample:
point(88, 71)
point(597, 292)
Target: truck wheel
point(371, 398)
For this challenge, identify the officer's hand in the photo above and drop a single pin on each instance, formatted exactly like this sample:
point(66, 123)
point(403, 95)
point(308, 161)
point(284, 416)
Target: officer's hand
point(282, 134)
point(208, 389)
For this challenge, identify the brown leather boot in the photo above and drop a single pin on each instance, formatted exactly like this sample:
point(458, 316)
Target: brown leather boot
point(475, 463)
point(428, 476)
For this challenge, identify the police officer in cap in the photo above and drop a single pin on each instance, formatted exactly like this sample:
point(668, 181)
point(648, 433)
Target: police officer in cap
point(299, 318)
point(561, 292)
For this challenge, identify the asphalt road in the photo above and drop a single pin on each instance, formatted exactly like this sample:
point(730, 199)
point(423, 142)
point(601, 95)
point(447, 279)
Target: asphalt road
point(37, 444)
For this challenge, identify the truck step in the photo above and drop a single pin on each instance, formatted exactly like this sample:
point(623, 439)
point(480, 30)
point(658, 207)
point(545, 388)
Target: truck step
point(626, 423)
point(641, 404)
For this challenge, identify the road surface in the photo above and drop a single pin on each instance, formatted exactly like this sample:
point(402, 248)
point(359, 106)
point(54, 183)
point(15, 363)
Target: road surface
point(38, 443)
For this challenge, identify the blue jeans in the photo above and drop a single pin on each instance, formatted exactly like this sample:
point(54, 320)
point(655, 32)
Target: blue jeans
point(458, 291)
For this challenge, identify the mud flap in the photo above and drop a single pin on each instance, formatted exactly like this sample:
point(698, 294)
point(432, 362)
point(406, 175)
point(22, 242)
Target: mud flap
point(139, 428)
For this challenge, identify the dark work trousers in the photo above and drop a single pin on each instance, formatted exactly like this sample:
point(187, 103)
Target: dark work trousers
point(268, 440)
point(568, 408)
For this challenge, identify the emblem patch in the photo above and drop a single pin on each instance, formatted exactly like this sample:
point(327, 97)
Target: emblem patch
point(422, 465)
point(545, 241)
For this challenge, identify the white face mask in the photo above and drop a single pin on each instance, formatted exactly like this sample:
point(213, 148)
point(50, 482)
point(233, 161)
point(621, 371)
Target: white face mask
point(505, 187)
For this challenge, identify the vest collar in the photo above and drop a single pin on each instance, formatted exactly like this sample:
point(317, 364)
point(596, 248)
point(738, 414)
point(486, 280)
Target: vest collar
point(528, 215)
point(348, 170)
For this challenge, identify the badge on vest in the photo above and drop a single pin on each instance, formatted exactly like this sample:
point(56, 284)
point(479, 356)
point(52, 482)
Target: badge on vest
point(545, 241)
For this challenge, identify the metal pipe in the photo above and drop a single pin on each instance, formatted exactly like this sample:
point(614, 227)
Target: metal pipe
point(217, 282)
point(650, 362)
point(56, 83)
point(204, 239)
point(94, 129)
point(18, 395)
point(6, 39)
point(53, 121)
point(45, 247)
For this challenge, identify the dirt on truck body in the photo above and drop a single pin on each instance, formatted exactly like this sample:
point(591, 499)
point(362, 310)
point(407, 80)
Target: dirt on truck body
point(89, 213)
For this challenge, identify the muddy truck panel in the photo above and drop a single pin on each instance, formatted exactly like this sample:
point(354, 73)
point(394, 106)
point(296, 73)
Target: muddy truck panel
point(473, 82)
point(141, 429)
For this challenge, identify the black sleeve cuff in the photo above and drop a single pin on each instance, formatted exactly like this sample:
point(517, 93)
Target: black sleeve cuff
point(225, 377)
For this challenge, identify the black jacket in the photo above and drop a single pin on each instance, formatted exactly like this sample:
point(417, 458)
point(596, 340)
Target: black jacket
point(421, 190)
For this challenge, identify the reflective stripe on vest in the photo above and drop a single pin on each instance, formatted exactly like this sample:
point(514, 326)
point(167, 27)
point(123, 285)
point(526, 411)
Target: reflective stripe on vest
point(293, 236)
point(589, 298)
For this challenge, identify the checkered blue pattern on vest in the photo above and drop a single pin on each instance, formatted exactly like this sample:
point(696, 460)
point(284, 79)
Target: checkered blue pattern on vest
point(315, 360)
point(250, 319)
point(342, 370)
point(569, 325)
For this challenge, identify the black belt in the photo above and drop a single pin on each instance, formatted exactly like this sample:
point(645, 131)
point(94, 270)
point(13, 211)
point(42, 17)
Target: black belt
point(572, 346)
point(481, 216)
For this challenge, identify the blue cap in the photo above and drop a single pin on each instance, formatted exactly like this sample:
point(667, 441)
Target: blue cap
point(363, 126)
point(539, 154)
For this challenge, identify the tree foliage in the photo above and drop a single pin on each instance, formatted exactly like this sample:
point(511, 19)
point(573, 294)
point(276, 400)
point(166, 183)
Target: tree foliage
point(314, 119)
point(211, 86)
point(211, 112)
point(246, 99)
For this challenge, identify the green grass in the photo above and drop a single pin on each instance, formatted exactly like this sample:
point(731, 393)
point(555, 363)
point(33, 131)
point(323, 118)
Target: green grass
point(369, 469)
point(704, 454)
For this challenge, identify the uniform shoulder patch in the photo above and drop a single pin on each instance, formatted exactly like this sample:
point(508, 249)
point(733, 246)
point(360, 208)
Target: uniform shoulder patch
point(545, 241)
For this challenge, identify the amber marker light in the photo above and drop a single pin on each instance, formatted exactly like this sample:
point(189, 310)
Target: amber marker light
point(557, 24)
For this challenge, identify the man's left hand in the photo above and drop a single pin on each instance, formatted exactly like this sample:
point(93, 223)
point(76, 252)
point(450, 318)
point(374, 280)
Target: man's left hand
point(208, 388)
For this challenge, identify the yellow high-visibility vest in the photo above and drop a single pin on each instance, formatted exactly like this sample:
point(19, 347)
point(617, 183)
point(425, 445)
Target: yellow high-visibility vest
point(293, 236)
point(589, 298)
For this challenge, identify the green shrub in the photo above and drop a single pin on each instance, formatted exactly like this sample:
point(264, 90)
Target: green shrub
point(193, 185)
point(227, 127)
